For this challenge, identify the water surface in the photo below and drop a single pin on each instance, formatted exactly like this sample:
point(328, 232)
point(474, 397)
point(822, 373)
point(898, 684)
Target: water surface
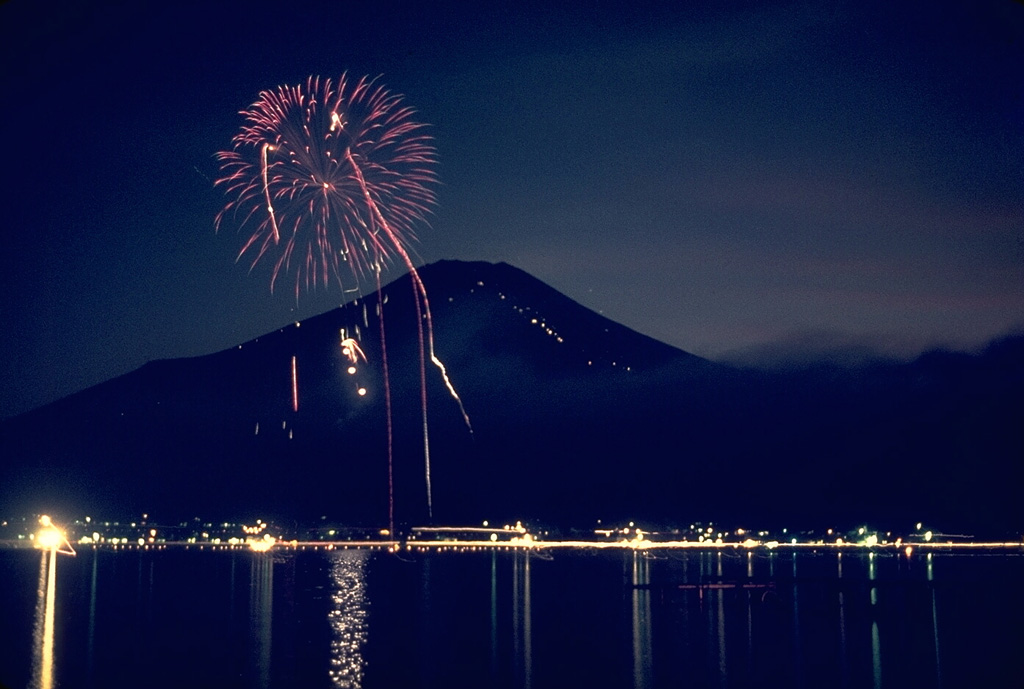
point(355, 618)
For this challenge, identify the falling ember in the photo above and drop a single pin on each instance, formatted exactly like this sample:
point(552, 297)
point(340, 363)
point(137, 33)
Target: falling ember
point(295, 386)
point(351, 349)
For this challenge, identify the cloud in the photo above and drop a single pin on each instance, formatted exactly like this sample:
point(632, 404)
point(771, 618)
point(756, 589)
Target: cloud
point(804, 348)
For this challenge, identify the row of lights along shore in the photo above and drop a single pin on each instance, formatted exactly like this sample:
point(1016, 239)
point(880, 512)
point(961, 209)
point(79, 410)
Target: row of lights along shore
point(260, 537)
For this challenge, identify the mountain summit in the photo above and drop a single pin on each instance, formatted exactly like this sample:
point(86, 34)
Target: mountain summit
point(573, 417)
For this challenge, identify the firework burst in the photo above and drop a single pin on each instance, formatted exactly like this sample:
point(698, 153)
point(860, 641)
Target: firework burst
point(325, 174)
point(332, 179)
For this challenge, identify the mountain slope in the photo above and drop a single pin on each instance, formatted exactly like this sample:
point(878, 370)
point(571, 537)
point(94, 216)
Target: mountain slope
point(574, 418)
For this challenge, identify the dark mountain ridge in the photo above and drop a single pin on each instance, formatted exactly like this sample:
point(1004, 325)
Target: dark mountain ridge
point(574, 418)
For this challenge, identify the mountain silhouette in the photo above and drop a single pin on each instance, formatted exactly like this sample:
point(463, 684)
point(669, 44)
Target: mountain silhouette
point(574, 418)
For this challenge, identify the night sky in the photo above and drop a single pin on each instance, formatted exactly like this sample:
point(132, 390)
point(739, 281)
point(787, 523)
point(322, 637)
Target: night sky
point(763, 181)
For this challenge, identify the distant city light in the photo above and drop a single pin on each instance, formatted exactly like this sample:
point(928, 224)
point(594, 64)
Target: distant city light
point(260, 536)
point(261, 545)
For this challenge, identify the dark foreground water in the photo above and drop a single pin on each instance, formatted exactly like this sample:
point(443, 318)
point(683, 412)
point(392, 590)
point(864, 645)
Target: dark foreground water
point(224, 619)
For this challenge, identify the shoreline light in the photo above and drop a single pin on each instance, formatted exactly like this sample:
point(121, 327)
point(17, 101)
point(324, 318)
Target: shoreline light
point(51, 537)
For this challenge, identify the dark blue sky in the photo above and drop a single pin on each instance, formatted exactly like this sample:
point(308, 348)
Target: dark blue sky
point(783, 177)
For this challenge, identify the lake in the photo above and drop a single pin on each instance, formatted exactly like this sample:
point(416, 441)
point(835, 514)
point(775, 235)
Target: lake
point(507, 618)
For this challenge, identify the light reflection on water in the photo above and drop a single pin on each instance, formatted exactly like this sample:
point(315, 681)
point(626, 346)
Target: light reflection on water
point(90, 650)
point(522, 632)
point(348, 618)
point(843, 663)
point(494, 615)
point(261, 615)
point(798, 655)
point(935, 625)
point(42, 637)
point(723, 667)
point(502, 619)
point(641, 600)
point(876, 642)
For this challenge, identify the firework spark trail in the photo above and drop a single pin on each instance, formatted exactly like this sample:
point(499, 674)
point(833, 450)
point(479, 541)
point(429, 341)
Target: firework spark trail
point(343, 175)
point(295, 386)
point(387, 407)
point(433, 357)
point(419, 293)
point(419, 322)
point(266, 191)
point(423, 404)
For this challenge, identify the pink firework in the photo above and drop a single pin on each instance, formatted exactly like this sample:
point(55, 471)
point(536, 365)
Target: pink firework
point(329, 173)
